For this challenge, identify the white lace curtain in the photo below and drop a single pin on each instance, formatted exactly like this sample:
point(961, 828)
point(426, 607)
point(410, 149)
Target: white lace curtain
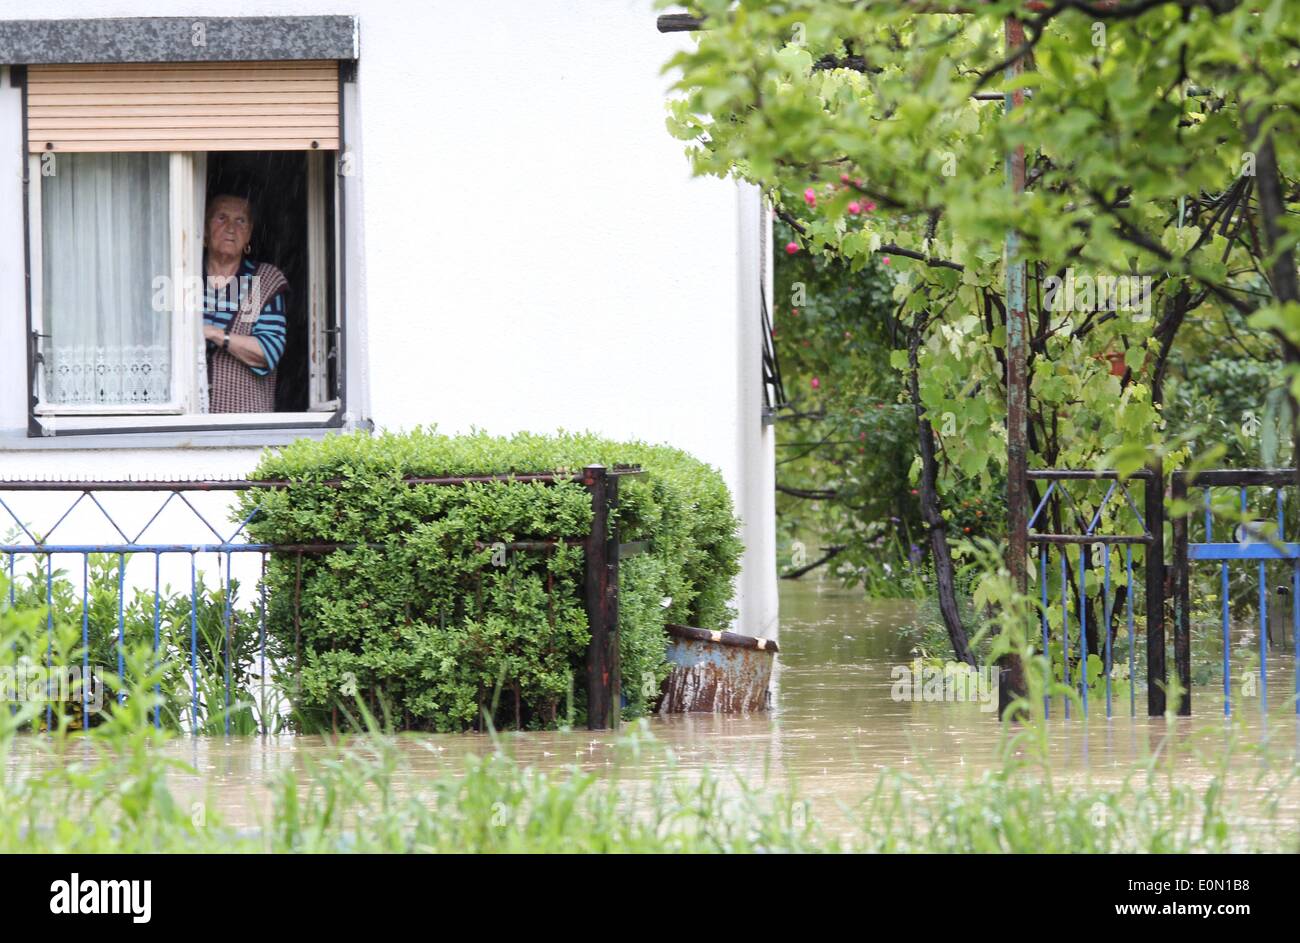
point(105, 239)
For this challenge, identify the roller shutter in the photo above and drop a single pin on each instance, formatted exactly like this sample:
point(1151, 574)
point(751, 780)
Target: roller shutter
point(184, 106)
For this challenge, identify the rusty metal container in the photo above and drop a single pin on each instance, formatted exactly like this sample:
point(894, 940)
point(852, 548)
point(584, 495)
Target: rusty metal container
point(717, 672)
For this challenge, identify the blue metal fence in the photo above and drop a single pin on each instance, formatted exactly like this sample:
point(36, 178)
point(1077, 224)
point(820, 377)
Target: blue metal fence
point(1253, 512)
point(44, 548)
point(38, 552)
point(1109, 528)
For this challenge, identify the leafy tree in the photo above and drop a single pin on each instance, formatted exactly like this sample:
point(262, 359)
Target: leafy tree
point(846, 439)
point(1160, 144)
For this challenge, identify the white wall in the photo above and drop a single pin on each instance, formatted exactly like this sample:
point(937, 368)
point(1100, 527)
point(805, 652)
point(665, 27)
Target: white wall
point(755, 489)
point(533, 253)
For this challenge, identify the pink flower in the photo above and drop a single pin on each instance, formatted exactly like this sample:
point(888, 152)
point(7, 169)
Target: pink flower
point(791, 248)
point(855, 208)
point(810, 196)
point(844, 178)
point(816, 383)
point(885, 260)
point(871, 206)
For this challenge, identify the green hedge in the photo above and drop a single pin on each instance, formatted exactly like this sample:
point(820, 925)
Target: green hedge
point(432, 628)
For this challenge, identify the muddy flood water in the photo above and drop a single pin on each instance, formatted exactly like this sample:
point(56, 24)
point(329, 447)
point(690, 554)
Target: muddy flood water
point(833, 729)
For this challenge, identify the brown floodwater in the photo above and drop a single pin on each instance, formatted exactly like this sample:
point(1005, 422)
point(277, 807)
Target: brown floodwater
point(835, 726)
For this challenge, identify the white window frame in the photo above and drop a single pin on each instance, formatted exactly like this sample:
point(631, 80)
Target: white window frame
point(318, 289)
point(187, 176)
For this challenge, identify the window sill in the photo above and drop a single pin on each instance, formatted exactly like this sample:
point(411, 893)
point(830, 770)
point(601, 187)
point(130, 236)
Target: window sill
point(276, 429)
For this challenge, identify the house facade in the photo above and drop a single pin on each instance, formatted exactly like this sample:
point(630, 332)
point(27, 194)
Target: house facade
point(481, 216)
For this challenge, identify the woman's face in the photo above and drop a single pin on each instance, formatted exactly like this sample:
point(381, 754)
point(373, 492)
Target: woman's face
point(230, 225)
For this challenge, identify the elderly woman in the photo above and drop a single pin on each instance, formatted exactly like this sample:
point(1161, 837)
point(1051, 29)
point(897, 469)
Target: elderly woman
point(243, 311)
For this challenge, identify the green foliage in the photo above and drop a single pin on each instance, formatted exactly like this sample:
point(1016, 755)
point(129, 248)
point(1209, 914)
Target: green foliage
point(438, 626)
point(861, 124)
point(111, 790)
point(58, 601)
point(846, 433)
point(927, 633)
point(103, 791)
point(1238, 402)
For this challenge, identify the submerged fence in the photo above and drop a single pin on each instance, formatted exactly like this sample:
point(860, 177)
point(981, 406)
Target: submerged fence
point(1252, 529)
point(601, 547)
point(1246, 524)
point(1067, 515)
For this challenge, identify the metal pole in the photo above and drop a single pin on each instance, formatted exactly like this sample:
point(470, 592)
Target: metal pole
point(1017, 381)
point(1182, 598)
point(1157, 675)
point(602, 604)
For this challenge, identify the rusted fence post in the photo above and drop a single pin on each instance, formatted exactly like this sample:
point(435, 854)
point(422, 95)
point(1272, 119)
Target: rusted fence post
point(1157, 675)
point(1182, 599)
point(613, 554)
point(601, 585)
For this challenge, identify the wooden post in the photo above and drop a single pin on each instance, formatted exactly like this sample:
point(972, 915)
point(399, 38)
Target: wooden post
point(601, 585)
point(1157, 676)
point(1182, 600)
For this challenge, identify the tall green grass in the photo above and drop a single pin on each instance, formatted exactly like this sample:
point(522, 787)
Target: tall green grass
point(113, 789)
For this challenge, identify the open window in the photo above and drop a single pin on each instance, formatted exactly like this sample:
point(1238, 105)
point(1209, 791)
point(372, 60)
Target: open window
point(123, 159)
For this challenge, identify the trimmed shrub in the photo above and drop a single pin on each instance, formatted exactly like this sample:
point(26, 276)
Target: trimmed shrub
point(438, 627)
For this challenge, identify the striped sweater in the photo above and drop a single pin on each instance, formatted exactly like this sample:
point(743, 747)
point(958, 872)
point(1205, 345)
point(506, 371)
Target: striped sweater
point(220, 305)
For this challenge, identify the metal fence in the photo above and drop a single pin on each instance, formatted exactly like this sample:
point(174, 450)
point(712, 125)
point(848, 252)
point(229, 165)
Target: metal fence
point(1252, 529)
point(1065, 521)
point(601, 547)
point(1244, 520)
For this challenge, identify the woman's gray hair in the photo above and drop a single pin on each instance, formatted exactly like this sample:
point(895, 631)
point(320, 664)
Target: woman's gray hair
point(231, 193)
